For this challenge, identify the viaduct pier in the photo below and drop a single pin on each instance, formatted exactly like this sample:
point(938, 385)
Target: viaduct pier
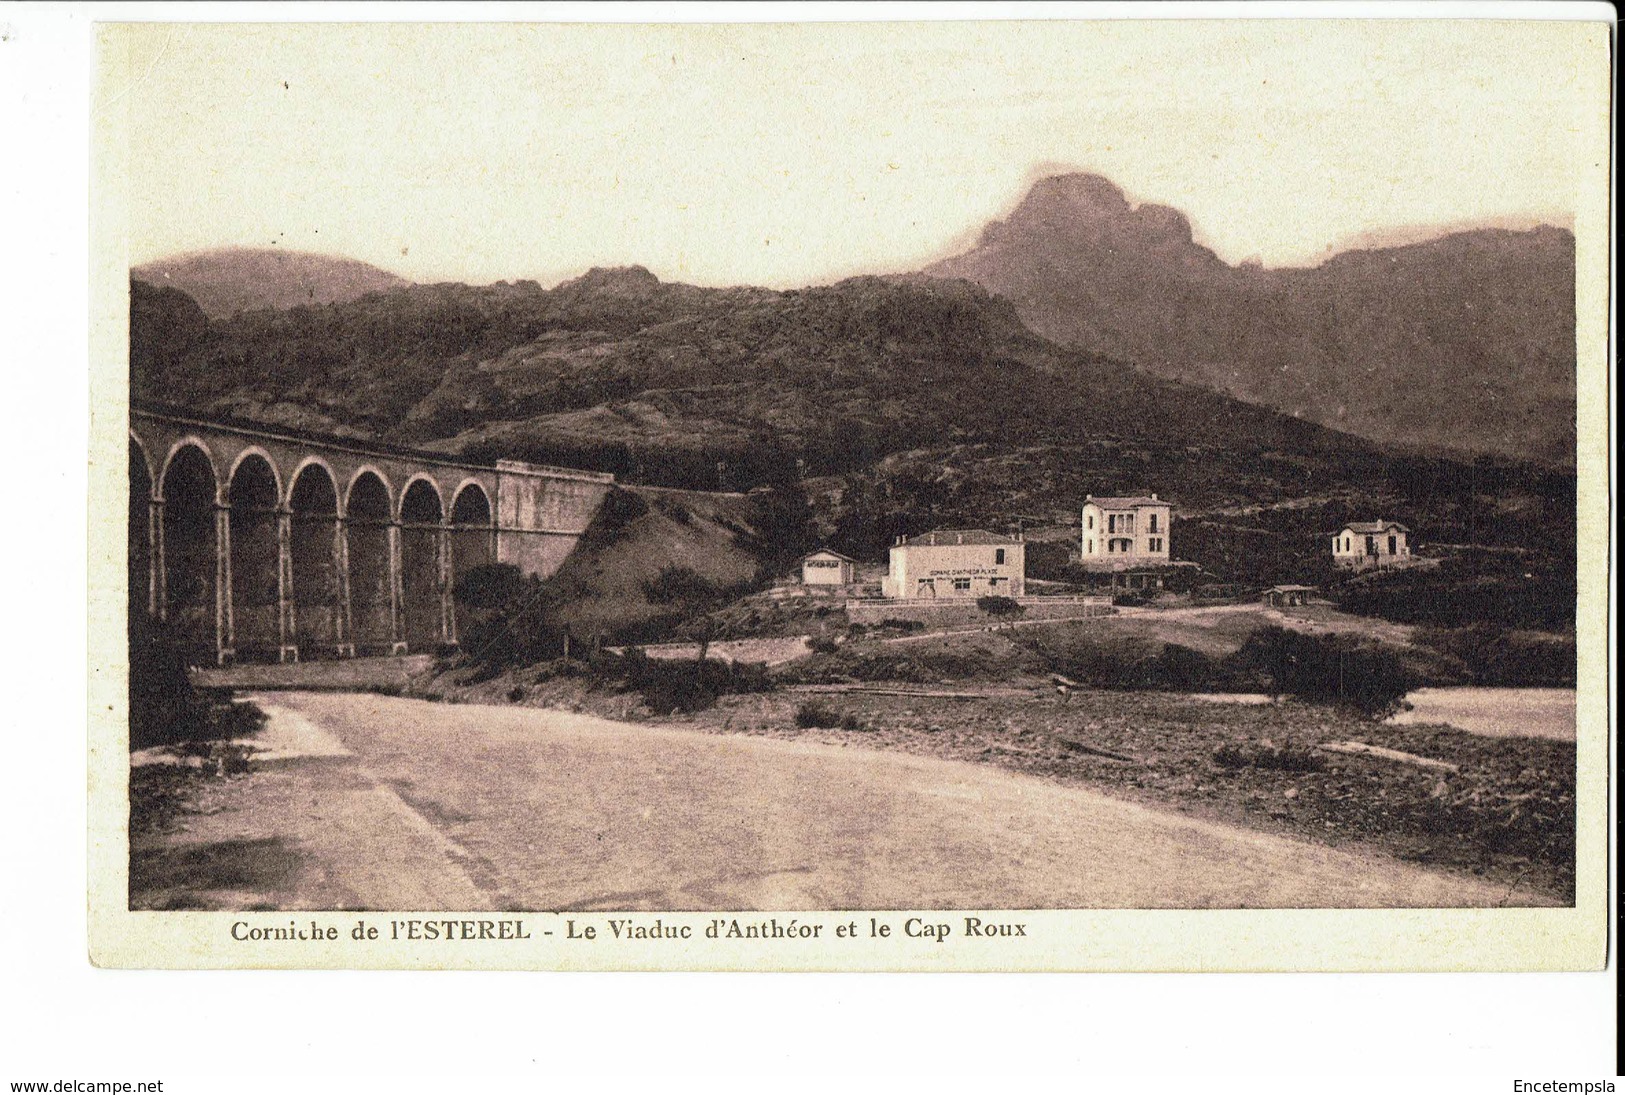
point(260, 543)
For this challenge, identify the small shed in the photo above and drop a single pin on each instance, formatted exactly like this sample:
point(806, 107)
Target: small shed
point(1286, 596)
point(827, 568)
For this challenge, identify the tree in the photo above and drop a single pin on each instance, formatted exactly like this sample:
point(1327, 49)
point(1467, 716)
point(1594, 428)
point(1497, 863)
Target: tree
point(692, 596)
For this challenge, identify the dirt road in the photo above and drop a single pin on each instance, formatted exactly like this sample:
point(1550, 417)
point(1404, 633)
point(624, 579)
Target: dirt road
point(443, 806)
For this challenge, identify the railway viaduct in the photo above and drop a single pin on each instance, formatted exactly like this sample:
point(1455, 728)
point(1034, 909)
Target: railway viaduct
point(261, 543)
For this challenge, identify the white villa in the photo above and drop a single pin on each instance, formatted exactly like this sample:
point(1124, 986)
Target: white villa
point(1125, 532)
point(1362, 544)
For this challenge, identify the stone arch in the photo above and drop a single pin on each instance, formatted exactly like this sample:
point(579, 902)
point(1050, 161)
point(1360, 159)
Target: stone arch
point(142, 583)
point(190, 441)
point(190, 490)
point(303, 467)
point(377, 473)
point(138, 447)
point(251, 451)
point(418, 483)
point(314, 550)
point(253, 493)
point(366, 527)
point(423, 585)
point(473, 536)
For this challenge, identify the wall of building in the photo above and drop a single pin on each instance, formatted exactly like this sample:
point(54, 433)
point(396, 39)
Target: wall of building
point(825, 570)
point(1097, 536)
point(946, 612)
point(974, 566)
point(1350, 549)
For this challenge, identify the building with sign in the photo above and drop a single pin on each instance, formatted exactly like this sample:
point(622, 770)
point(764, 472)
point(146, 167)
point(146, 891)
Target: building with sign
point(1361, 544)
point(1125, 532)
point(827, 568)
point(956, 563)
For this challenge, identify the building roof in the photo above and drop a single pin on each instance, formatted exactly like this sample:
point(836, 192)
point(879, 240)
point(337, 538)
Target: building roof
point(1133, 501)
point(950, 537)
point(827, 551)
point(1290, 589)
point(1371, 526)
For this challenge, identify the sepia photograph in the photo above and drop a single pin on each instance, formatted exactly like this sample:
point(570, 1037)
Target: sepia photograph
point(792, 482)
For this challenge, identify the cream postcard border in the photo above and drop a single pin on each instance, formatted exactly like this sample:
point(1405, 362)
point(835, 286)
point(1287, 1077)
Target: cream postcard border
point(1117, 940)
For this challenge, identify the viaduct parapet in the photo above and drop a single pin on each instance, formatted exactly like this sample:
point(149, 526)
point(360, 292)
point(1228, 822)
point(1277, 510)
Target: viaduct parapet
point(258, 542)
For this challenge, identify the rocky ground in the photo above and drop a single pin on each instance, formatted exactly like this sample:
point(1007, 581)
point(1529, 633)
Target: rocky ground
point(1498, 808)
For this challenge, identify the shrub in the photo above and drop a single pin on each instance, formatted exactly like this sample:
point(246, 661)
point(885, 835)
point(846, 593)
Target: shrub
point(1493, 656)
point(1287, 758)
point(506, 619)
point(165, 707)
point(679, 585)
point(1335, 669)
point(671, 685)
point(1181, 668)
point(1000, 606)
point(489, 586)
point(896, 624)
point(814, 715)
point(820, 644)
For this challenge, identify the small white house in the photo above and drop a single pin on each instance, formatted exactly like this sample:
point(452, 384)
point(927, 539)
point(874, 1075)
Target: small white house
point(1125, 532)
point(1362, 544)
point(827, 568)
point(956, 563)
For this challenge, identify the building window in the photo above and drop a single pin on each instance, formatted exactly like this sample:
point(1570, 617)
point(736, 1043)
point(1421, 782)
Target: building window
point(1153, 522)
point(1156, 543)
point(1370, 545)
point(1091, 521)
point(1091, 546)
point(998, 557)
point(961, 585)
point(1393, 545)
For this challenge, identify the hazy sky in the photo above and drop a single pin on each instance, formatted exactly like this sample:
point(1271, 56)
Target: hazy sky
point(787, 156)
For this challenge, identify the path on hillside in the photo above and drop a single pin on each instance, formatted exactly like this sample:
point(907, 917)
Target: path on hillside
point(441, 806)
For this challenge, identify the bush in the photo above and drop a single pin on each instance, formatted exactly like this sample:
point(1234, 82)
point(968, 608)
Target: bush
point(507, 620)
point(1287, 758)
point(815, 715)
point(679, 585)
point(165, 708)
point(1335, 669)
point(896, 624)
point(669, 686)
point(812, 715)
point(1000, 606)
point(490, 586)
point(819, 644)
point(1493, 656)
point(1184, 669)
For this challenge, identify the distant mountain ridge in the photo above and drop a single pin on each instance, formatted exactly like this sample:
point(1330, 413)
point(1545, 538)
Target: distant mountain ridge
point(899, 404)
point(1465, 343)
point(618, 366)
point(229, 280)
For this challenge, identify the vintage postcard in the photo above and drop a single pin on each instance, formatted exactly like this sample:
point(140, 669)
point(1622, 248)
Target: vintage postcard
point(1031, 495)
